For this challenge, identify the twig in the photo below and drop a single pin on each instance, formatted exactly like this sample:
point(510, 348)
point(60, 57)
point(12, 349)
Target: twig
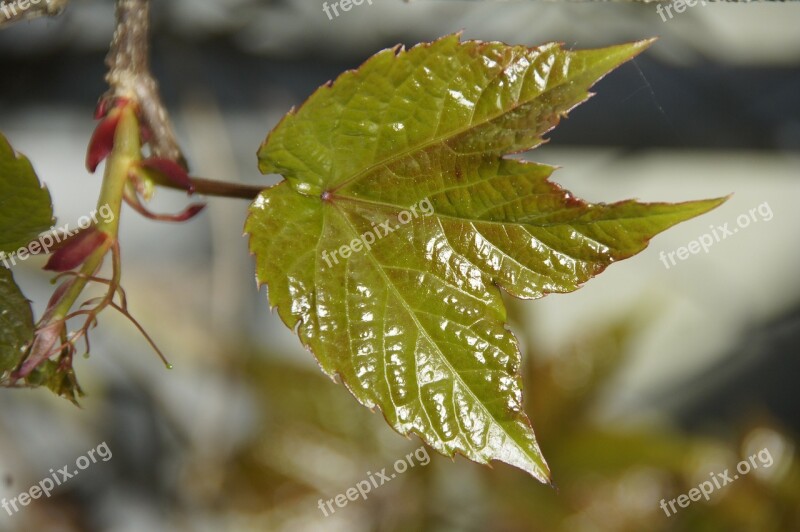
point(220, 189)
point(129, 76)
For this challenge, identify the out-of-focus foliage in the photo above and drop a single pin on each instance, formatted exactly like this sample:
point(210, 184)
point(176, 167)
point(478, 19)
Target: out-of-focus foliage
point(316, 443)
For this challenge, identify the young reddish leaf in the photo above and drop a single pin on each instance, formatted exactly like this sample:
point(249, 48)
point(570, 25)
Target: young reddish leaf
point(400, 219)
point(102, 140)
point(190, 212)
point(170, 171)
point(103, 106)
point(75, 250)
point(46, 342)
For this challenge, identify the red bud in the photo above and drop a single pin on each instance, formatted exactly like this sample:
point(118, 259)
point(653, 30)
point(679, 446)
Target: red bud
point(102, 141)
point(76, 250)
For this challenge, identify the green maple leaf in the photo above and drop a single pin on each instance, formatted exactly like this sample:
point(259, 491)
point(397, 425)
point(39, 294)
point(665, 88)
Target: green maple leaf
point(25, 211)
point(25, 206)
point(16, 323)
point(409, 148)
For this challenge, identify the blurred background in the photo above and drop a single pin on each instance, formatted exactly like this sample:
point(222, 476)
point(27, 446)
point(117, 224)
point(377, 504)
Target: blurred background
point(639, 385)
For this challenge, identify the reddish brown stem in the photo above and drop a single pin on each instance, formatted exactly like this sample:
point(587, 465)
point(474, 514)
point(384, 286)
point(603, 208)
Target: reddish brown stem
point(210, 187)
